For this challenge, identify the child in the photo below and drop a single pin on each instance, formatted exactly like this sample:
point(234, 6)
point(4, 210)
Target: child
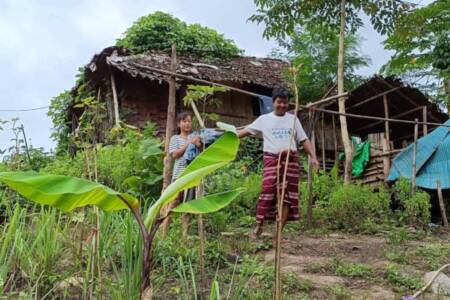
point(177, 147)
point(276, 128)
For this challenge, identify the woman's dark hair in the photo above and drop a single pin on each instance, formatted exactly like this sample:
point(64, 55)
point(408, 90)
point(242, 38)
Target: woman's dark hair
point(279, 92)
point(181, 117)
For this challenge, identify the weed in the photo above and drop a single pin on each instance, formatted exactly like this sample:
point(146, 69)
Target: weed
point(338, 292)
point(292, 284)
point(315, 267)
point(397, 254)
point(398, 236)
point(434, 255)
point(353, 270)
point(402, 281)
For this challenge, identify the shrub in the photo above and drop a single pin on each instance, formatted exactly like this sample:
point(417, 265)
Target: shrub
point(126, 165)
point(350, 206)
point(323, 185)
point(236, 175)
point(415, 209)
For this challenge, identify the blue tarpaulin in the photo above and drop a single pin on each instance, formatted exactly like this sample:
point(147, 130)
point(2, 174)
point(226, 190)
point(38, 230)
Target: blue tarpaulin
point(432, 160)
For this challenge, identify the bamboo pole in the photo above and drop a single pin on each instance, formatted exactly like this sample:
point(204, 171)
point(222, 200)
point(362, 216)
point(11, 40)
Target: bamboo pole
point(231, 88)
point(310, 173)
point(343, 119)
point(374, 97)
point(424, 119)
point(322, 133)
point(280, 203)
point(387, 139)
point(386, 158)
point(386, 123)
point(387, 119)
point(441, 204)
point(200, 227)
point(381, 119)
point(327, 99)
point(115, 101)
point(357, 116)
point(413, 175)
point(422, 290)
point(201, 235)
point(170, 126)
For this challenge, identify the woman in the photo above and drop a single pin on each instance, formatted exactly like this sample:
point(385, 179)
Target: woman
point(177, 147)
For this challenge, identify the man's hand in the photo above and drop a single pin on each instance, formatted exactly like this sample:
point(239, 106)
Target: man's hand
point(315, 163)
point(309, 149)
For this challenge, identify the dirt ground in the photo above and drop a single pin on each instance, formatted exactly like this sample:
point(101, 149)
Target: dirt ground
point(309, 256)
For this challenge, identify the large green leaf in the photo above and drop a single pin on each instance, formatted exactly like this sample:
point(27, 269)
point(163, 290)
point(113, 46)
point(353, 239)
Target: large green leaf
point(220, 153)
point(64, 192)
point(208, 204)
point(223, 150)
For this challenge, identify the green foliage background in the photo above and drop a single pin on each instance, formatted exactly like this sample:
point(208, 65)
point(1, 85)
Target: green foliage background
point(159, 30)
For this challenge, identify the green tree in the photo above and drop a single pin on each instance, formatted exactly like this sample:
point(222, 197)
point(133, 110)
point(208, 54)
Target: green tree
point(58, 114)
point(282, 17)
point(318, 52)
point(158, 31)
point(421, 41)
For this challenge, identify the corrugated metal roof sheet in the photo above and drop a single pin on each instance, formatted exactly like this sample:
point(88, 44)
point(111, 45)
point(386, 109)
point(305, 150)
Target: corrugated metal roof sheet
point(432, 160)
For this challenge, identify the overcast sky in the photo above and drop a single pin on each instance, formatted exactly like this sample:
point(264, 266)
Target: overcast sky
point(42, 44)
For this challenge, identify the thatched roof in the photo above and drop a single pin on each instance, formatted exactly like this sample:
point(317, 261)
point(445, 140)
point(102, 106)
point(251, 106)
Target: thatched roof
point(265, 72)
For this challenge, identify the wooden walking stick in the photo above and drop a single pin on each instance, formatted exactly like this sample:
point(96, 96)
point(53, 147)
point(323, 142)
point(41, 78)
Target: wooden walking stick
point(280, 207)
point(312, 121)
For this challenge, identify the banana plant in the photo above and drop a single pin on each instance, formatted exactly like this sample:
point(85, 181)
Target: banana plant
point(68, 193)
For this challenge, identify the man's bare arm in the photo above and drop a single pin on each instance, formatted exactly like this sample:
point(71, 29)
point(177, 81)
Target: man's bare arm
point(309, 149)
point(243, 133)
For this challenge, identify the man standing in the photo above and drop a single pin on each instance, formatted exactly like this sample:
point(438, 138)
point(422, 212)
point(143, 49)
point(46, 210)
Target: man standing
point(276, 129)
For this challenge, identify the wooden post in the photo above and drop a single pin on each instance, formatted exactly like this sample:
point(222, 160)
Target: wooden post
point(441, 204)
point(413, 175)
point(386, 139)
point(170, 127)
point(386, 158)
point(386, 123)
point(323, 143)
point(424, 119)
point(115, 101)
point(310, 173)
point(336, 153)
point(340, 82)
point(201, 235)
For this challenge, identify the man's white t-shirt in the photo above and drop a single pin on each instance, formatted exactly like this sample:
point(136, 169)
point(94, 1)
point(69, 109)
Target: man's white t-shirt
point(276, 131)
